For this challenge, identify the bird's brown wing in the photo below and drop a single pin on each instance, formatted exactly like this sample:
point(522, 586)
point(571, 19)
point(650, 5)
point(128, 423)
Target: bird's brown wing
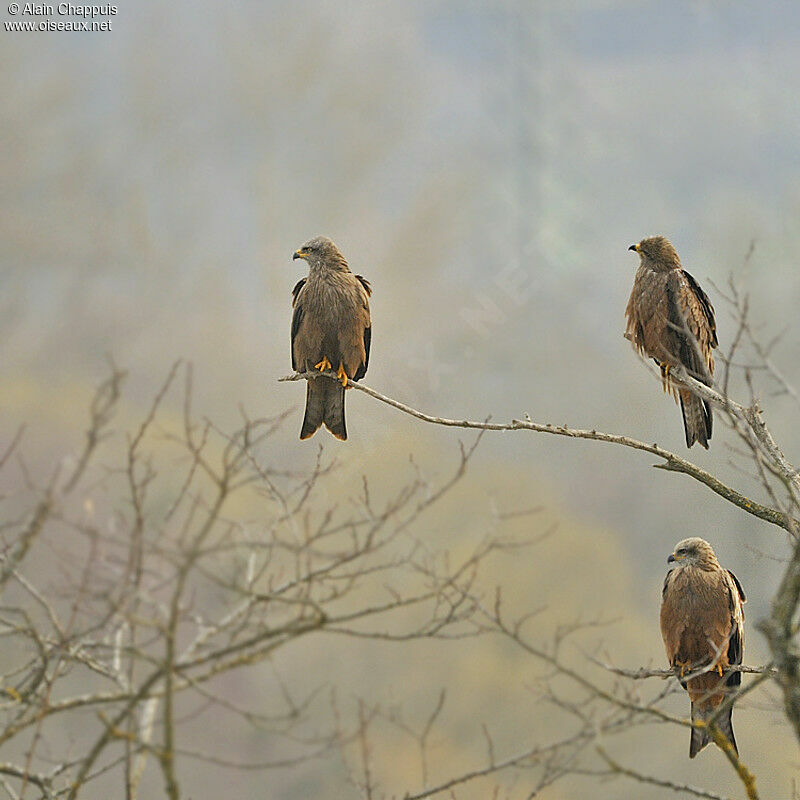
point(736, 639)
point(354, 327)
point(738, 587)
point(692, 330)
point(672, 623)
point(362, 370)
point(690, 337)
point(366, 284)
point(706, 308)
point(297, 317)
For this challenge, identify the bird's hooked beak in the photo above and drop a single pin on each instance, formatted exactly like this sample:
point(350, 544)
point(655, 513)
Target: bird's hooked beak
point(635, 247)
point(672, 559)
point(299, 254)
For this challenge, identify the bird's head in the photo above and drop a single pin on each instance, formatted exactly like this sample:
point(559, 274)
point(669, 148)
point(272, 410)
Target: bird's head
point(657, 252)
point(693, 552)
point(321, 252)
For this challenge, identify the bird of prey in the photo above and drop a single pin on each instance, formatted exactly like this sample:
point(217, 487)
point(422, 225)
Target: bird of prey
point(671, 320)
point(702, 624)
point(331, 330)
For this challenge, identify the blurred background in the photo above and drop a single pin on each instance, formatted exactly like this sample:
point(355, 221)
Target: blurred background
point(485, 165)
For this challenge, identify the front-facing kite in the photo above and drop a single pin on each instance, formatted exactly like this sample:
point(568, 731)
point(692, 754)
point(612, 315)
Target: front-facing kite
point(331, 330)
point(702, 623)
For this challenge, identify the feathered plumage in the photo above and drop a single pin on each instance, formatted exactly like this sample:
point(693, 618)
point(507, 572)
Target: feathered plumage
point(331, 330)
point(671, 320)
point(702, 624)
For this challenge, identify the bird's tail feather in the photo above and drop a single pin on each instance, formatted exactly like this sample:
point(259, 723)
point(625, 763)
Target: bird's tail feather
point(697, 419)
point(324, 404)
point(700, 736)
point(315, 407)
point(334, 410)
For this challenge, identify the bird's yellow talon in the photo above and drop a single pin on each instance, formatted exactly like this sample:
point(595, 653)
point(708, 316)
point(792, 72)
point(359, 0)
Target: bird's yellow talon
point(719, 669)
point(342, 375)
point(323, 365)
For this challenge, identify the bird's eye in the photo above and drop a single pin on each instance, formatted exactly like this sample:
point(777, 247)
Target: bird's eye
point(681, 551)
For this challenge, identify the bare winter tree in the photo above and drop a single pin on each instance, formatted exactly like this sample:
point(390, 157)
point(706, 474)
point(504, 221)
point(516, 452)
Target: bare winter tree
point(123, 623)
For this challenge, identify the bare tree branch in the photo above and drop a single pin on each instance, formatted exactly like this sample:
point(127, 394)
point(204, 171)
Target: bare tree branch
point(673, 462)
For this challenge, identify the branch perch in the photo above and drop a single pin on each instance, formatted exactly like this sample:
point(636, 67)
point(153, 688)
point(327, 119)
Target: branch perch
point(672, 461)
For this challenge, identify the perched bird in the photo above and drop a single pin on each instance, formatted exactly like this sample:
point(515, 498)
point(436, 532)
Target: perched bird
point(331, 330)
point(671, 320)
point(702, 624)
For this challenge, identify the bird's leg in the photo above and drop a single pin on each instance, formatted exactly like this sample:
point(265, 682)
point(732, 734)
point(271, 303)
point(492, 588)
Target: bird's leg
point(719, 669)
point(666, 383)
point(324, 364)
point(683, 665)
point(342, 375)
